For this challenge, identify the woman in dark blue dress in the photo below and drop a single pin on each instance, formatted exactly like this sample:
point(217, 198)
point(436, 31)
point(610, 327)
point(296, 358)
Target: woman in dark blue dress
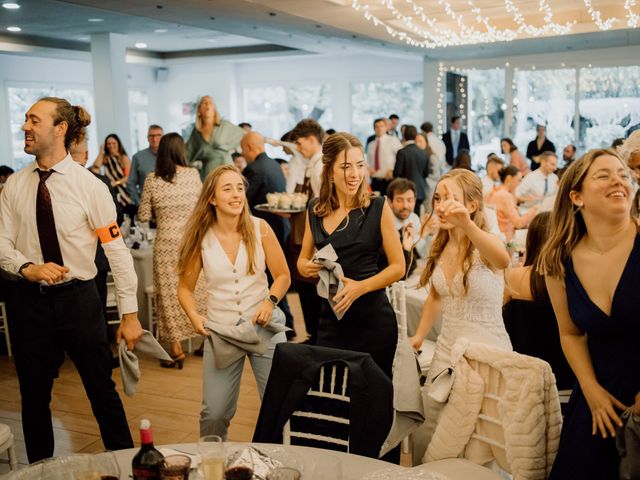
point(592, 268)
point(356, 226)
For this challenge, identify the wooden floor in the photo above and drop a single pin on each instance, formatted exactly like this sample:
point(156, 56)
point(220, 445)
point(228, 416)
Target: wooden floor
point(170, 398)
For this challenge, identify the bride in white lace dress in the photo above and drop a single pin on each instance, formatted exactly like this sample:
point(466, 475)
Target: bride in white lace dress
point(464, 274)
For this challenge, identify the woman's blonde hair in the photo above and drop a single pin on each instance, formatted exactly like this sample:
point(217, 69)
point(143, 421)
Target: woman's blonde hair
point(630, 146)
point(567, 224)
point(216, 114)
point(335, 149)
point(472, 189)
point(204, 216)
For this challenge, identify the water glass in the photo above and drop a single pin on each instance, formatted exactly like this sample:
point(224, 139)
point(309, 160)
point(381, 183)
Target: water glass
point(284, 473)
point(175, 467)
point(211, 451)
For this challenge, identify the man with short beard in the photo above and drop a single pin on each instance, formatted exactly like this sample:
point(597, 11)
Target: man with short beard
point(52, 214)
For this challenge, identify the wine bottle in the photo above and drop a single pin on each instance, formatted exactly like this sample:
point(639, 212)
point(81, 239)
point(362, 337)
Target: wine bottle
point(146, 464)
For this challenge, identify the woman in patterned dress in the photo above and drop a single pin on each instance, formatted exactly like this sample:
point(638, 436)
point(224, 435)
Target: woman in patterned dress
point(169, 194)
point(116, 164)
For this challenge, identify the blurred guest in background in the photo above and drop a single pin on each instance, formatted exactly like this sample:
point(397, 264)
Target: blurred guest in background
point(492, 176)
point(513, 155)
point(412, 163)
point(541, 183)
point(381, 156)
point(538, 145)
point(394, 120)
point(506, 206)
point(170, 194)
point(436, 145)
point(113, 157)
point(463, 160)
point(455, 140)
point(5, 172)
point(245, 126)
point(212, 138)
point(142, 164)
point(239, 161)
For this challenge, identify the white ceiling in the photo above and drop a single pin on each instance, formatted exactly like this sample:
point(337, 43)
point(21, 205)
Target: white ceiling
point(323, 26)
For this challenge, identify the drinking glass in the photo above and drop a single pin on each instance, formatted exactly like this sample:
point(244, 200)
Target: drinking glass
point(175, 467)
point(239, 464)
point(211, 451)
point(284, 473)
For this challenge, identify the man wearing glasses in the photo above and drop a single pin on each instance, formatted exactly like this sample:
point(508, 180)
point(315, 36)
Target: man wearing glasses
point(143, 163)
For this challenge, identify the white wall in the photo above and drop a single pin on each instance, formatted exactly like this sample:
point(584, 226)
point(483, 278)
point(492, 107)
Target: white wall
point(16, 70)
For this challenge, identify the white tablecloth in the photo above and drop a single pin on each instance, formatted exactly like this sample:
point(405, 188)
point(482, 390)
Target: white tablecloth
point(353, 467)
point(415, 298)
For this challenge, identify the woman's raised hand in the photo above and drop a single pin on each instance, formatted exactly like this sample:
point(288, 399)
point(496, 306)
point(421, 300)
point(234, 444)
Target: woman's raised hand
point(453, 211)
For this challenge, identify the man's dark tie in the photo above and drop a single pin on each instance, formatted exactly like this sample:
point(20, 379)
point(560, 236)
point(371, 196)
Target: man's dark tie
point(46, 223)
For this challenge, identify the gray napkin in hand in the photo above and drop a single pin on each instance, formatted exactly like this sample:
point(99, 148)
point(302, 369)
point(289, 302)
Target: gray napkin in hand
point(129, 367)
point(231, 342)
point(330, 282)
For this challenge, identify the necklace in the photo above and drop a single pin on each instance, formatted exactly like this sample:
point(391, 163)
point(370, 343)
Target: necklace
point(596, 250)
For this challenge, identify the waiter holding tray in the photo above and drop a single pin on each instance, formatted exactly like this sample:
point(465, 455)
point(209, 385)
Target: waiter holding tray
point(52, 213)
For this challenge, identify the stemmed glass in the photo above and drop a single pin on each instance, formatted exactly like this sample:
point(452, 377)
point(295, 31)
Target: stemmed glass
point(211, 451)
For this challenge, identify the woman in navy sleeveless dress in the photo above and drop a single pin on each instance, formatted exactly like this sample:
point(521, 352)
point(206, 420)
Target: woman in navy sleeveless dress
point(596, 248)
point(356, 226)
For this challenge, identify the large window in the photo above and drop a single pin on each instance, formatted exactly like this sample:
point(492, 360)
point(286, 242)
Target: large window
point(138, 119)
point(609, 104)
point(372, 100)
point(545, 97)
point(21, 98)
point(485, 122)
point(273, 111)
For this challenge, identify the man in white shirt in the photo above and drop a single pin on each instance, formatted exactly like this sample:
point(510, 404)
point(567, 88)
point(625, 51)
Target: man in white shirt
point(492, 176)
point(436, 145)
point(540, 183)
point(52, 214)
point(307, 135)
point(381, 156)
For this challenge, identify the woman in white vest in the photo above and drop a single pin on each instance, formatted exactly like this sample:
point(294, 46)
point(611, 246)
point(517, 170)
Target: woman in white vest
point(234, 249)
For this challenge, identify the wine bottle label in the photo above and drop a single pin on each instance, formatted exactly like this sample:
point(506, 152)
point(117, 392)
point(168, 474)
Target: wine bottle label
point(145, 472)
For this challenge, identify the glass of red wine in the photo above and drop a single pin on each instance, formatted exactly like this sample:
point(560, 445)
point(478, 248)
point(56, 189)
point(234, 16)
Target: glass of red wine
point(239, 464)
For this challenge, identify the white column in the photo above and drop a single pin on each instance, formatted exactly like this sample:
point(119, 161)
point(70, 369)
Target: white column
point(430, 95)
point(508, 100)
point(110, 86)
point(576, 115)
point(341, 104)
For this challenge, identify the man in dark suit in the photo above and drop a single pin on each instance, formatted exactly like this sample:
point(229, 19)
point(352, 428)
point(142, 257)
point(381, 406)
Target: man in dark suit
point(539, 145)
point(412, 163)
point(265, 175)
point(455, 140)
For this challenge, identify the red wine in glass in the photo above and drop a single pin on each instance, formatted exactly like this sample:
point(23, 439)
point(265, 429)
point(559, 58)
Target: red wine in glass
point(238, 473)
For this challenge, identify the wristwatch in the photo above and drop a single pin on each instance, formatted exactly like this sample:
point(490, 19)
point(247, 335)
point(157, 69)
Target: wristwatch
point(273, 300)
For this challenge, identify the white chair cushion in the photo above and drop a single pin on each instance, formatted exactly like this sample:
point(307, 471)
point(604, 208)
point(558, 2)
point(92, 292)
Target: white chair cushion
point(5, 433)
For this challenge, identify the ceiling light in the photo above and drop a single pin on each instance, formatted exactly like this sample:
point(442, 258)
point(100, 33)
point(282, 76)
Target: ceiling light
point(96, 20)
point(10, 6)
point(14, 29)
point(161, 30)
point(141, 45)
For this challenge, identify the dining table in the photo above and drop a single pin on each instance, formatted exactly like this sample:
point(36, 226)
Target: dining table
point(316, 462)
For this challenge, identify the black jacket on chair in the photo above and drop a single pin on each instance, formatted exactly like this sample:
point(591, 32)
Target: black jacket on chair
point(265, 176)
point(463, 144)
point(295, 369)
point(413, 164)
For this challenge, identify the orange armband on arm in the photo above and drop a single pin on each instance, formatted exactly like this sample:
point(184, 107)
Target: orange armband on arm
point(109, 233)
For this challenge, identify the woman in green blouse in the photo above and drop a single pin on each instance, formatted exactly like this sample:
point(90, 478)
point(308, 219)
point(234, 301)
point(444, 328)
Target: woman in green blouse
point(212, 139)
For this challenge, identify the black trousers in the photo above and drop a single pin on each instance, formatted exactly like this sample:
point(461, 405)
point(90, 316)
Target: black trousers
point(45, 325)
